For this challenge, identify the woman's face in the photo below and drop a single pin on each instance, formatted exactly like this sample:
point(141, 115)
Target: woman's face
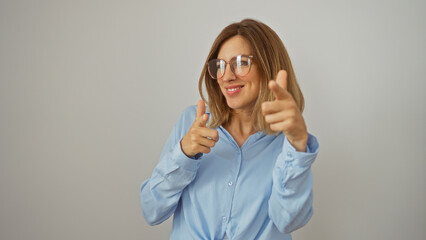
point(240, 92)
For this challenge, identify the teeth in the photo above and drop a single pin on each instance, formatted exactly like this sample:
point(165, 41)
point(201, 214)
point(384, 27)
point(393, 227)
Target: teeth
point(233, 89)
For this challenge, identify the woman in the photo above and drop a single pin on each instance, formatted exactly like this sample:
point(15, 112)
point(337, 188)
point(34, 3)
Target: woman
point(241, 168)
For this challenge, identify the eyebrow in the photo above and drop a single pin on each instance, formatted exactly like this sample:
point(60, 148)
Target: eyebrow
point(247, 55)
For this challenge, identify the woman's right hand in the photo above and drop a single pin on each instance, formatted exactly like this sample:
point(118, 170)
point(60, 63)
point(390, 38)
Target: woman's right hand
point(199, 138)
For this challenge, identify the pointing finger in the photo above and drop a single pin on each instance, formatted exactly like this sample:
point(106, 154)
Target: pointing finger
point(210, 134)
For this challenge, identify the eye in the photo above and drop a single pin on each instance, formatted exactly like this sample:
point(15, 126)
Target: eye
point(245, 63)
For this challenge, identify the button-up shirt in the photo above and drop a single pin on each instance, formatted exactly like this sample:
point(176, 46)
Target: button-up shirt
point(261, 190)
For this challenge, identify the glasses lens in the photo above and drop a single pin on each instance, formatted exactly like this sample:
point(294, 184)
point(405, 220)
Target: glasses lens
point(216, 68)
point(241, 65)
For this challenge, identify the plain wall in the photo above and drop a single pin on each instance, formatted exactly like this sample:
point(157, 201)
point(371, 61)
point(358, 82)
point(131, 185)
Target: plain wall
point(90, 90)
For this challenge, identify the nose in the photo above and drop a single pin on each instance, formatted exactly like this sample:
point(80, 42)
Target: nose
point(228, 75)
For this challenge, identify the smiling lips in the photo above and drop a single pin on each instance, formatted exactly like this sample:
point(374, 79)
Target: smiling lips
point(233, 89)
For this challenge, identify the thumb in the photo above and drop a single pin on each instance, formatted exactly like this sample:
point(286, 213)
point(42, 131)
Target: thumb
point(279, 86)
point(201, 108)
point(202, 117)
point(278, 91)
point(202, 121)
point(282, 79)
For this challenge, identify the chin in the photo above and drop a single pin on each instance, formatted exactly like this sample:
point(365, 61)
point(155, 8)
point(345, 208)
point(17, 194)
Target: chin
point(232, 106)
point(235, 105)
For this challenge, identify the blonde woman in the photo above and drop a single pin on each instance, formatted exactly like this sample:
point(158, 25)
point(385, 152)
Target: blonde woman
point(240, 168)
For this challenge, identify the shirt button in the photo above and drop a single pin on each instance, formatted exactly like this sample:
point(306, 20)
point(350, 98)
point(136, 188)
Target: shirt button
point(289, 154)
point(224, 219)
point(230, 183)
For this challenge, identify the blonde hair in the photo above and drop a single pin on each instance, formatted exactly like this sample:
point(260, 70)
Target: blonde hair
point(269, 54)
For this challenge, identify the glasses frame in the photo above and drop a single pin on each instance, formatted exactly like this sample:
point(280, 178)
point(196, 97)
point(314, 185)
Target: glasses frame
point(229, 62)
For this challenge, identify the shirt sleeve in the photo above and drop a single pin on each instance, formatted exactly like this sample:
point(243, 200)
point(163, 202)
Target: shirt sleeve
point(290, 203)
point(160, 194)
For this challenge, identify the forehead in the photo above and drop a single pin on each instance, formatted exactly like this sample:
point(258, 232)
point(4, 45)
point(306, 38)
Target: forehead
point(234, 46)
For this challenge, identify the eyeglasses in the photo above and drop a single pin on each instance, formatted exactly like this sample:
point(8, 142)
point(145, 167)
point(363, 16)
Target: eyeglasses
point(240, 66)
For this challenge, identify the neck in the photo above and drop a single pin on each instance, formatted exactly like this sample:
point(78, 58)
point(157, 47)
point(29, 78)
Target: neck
point(241, 123)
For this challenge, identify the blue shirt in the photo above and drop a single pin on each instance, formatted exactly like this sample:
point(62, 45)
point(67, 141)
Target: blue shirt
point(262, 190)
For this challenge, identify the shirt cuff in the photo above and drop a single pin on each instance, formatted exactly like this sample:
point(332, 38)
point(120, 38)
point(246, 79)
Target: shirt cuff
point(183, 161)
point(301, 159)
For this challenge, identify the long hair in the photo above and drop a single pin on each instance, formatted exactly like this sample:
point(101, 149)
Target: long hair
point(269, 53)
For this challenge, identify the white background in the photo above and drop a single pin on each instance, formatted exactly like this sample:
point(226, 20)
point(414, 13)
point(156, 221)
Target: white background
point(90, 90)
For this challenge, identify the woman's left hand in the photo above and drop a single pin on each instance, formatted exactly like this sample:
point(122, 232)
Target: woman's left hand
point(282, 114)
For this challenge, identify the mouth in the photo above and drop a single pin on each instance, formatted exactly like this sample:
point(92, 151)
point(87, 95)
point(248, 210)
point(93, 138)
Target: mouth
point(234, 89)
